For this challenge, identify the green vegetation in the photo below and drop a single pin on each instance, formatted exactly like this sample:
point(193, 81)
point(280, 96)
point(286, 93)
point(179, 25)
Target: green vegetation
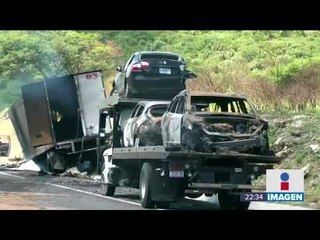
point(268, 66)
point(292, 136)
point(278, 70)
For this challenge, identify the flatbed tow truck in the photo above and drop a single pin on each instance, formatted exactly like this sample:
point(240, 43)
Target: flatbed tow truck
point(163, 176)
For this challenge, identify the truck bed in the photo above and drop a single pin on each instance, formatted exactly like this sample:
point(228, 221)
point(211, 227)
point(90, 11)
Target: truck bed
point(159, 153)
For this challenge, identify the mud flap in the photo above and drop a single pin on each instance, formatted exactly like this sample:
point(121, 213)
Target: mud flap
point(165, 189)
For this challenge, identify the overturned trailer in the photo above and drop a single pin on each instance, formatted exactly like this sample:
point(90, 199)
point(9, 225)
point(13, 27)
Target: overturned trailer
point(57, 121)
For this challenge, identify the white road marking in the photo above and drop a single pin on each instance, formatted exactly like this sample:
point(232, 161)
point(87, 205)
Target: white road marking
point(94, 194)
point(11, 175)
point(81, 191)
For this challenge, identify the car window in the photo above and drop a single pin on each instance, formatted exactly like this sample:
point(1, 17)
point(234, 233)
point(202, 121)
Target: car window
point(220, 104)
point(181, 105)
point(159, 56)
point(174, 104)
point(140, 111)
point(134, 110)
point(157, 111)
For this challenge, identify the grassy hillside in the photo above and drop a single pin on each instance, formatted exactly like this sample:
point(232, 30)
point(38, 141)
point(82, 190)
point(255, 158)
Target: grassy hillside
point(296, 138)
point(278, 70)
point(261, 64)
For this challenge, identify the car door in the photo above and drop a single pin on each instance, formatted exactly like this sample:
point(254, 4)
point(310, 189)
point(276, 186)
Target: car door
point(136, 123)
point(127, 130)
point(171, 125)
point(120, 78)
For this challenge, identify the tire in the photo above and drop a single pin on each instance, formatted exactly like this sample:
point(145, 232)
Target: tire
point(226, 200)
point(241, 205)
point(110, 189)
point(208, 194)
point(193, 195)
point(51, 158)
point(187, 141)
point(163, 205)
point(145, 186)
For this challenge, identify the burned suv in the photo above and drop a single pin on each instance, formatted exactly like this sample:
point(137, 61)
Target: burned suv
point(151, 74)
point(213, 122)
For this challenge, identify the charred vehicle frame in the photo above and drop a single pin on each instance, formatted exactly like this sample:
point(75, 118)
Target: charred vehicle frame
point(214, 122)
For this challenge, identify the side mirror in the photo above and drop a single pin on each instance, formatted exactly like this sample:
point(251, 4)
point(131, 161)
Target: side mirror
point(119, 68)
point(190, 75)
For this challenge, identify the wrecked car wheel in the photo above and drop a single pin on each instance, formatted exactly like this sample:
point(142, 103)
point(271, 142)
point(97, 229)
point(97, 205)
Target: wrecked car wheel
point(110, 189)
point(146, 176)
point(188, 141)
point(226, 199)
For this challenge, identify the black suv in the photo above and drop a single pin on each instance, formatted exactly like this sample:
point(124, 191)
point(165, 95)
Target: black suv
point(151, 74)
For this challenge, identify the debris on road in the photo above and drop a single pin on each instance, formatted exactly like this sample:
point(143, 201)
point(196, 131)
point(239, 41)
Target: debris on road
point(10, 163)
point(96, 178)
point(74, 172)
point(28, 166)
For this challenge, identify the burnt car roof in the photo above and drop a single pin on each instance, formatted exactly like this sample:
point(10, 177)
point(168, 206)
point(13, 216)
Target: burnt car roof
point(215, 94)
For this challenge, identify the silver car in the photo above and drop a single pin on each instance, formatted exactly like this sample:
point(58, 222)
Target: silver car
point(143, 126)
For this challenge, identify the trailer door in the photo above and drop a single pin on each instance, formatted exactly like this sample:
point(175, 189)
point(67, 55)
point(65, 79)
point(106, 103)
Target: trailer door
point(91, 97)
point(18, 119)
point(37, 114)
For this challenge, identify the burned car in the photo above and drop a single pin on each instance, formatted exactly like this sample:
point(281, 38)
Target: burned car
point(213, 122)
point(143, 126)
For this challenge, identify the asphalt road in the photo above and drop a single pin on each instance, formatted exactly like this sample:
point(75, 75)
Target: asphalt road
point(30, 190)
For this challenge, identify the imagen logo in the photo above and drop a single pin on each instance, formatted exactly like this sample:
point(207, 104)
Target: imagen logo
point(285, 185)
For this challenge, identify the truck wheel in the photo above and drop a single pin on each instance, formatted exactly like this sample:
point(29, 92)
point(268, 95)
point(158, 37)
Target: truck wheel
point(110, 189)
point(193, 195)
point(241, 205)
point(146, 175)
point(226, 200)
point(54, 158)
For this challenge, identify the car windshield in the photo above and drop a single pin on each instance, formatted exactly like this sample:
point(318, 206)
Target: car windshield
point(158, 111)
point(220, 104)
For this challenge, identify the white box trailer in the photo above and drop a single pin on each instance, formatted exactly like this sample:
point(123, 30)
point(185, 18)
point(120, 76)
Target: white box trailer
point(57, 119)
